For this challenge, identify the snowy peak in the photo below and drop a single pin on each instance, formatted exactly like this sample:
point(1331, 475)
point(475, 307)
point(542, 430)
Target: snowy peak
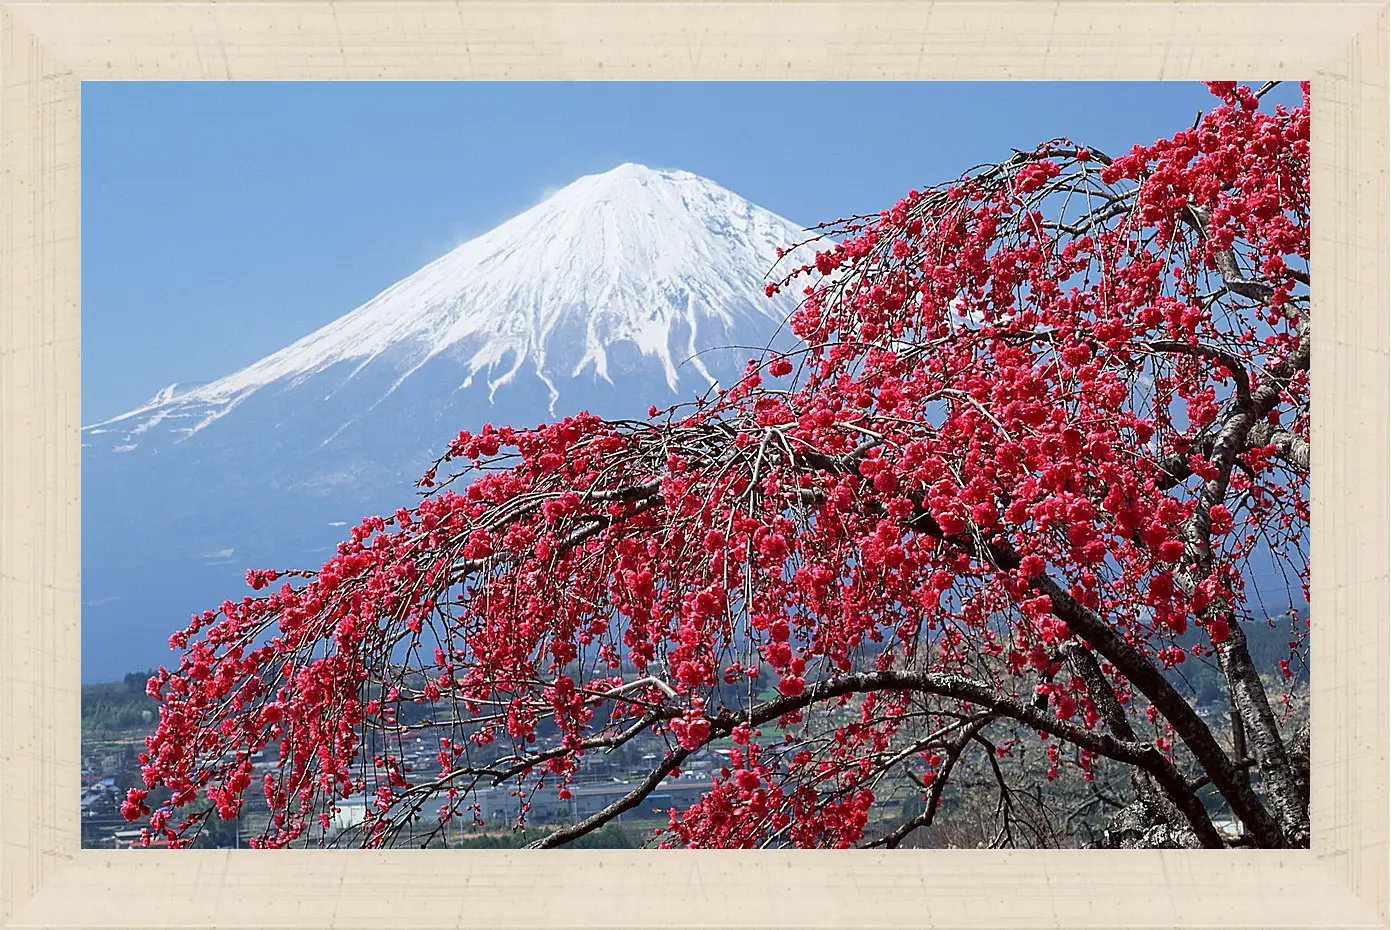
point(664, 261)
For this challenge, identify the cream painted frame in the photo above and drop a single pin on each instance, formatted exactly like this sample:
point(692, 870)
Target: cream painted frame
point(48, 48)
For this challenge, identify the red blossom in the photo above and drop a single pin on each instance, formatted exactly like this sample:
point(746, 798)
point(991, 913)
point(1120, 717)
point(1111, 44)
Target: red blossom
point(1003, 443)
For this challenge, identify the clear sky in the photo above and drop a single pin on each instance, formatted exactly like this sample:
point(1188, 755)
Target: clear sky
point(222, 221)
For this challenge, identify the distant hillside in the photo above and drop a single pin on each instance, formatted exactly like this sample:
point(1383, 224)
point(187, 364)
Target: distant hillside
point(118, 706)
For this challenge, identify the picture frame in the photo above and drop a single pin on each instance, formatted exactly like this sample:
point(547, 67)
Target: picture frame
point(47, 49)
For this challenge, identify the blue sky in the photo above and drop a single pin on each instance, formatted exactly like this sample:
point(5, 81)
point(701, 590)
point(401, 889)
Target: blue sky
point(222, 221)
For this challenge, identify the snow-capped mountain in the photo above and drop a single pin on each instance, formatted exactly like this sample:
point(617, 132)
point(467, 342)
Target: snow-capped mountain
point(664, 261)
point(626, 288)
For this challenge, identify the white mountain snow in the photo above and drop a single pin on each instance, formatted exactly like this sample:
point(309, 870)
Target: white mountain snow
point(666, 261)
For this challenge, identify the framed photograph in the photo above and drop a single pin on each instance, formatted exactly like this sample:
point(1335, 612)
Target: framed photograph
point(768, 464)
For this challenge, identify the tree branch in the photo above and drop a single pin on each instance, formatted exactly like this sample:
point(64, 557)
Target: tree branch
point(939, 785)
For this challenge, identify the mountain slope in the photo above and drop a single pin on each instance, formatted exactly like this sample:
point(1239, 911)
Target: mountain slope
point(614, 293)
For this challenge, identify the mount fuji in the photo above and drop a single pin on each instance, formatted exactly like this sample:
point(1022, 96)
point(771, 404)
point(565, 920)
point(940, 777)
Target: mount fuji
point(623, 289)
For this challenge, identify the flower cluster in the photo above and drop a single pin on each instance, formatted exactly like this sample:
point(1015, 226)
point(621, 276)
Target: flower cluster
point(1051, 402)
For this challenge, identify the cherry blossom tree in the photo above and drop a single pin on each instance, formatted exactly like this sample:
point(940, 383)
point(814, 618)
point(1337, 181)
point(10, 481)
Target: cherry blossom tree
point(1043, 425)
